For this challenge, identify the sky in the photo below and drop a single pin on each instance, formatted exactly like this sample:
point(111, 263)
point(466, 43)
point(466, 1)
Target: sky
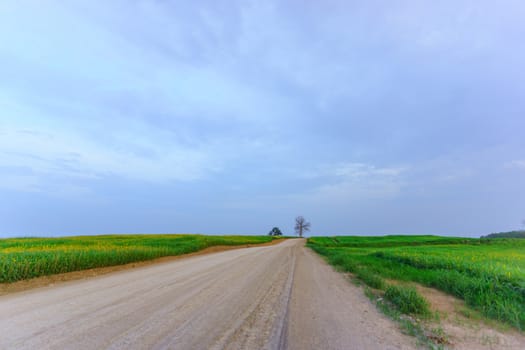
point(365, 117)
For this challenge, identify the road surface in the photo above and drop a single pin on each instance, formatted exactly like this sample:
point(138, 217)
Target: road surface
point(273, 297)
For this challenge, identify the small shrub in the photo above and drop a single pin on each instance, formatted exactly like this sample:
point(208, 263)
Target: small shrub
point(370, 279)
point(408, 300)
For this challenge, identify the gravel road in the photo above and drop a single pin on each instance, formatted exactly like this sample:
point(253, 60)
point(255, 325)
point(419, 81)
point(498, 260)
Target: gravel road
point(274, 297)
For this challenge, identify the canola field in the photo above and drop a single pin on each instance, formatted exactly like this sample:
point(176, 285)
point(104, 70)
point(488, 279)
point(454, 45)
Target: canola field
point(488, 274)
point(25, 258)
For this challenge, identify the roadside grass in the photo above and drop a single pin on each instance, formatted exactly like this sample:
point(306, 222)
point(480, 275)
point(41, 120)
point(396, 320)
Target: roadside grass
point(407, 300)
point(388, 241)
point(433, 339)
point(25, 258)
point(489, 275)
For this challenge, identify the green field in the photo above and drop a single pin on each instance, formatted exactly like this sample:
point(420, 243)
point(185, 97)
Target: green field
point(24, 258)
point(488, 274)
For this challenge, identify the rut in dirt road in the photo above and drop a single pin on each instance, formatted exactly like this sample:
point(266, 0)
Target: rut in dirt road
point(275, 297)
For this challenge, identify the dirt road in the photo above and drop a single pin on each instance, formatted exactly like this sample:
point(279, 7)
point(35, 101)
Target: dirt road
point(274, 297)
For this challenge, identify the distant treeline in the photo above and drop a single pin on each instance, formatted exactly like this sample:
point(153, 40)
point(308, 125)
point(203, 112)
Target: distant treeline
point(510, 234)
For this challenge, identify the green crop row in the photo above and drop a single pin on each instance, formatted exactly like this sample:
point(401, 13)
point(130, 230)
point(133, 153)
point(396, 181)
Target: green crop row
point(489, 275)
point(24, 258)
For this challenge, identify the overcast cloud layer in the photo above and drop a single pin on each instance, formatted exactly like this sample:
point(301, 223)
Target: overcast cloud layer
point(366, 117)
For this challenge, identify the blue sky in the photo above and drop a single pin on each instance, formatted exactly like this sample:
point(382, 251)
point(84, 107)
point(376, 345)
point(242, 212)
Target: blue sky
point(366, 117)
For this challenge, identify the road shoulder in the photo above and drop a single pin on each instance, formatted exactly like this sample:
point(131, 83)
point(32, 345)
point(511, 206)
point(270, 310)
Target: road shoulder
point(328, 312)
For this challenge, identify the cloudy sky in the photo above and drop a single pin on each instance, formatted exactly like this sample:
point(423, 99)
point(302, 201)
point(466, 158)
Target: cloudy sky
point(366, 117)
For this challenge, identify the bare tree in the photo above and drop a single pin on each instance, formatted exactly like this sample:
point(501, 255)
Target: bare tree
point(301, 226)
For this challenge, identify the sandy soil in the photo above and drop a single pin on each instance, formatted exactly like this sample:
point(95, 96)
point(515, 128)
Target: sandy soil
point(464, 333)
point(464, 328)
point(275, 297)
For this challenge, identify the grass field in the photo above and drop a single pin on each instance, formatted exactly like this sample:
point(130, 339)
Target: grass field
point(24, 258)
point(488, 274)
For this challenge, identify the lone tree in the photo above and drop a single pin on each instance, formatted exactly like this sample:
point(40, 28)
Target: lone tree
point(301, 226)
point(275, 232)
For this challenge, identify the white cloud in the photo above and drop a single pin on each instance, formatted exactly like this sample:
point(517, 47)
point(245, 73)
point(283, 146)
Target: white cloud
point(353, 170)
point(19, 182)
point(354, 182)
point(515, 164)
point(70, 154)
point(357, 170)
